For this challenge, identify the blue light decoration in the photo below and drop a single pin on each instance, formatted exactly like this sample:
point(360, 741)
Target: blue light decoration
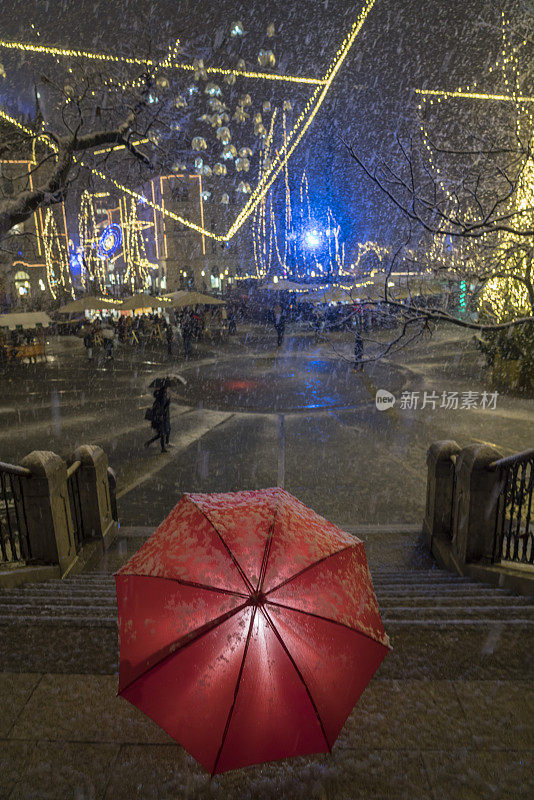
point(75, 260)
point(312, 238)
point(110, 241)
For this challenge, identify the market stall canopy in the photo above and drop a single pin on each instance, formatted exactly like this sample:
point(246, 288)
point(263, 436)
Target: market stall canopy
point(27, 320)
point(182, 299)
point(330, 295)
point(89, 303)
point(144, 301)
point(283, 285)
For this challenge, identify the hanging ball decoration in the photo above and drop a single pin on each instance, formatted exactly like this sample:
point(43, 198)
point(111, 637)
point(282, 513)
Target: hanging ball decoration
point(270, 30)
point(215, 120)
point(224, 135)
point(180, 102)
point(267, 163)
point(241, 63)
point(2, 71)
point(287, 105)
point(240, 115)
point(229, 151)
point(153, 138)
point(175, 126)
point(242, 164)
point(199, 164)
point(214, 104)
point(162, 82)
point(178, 167)
point(213, 90)
point(237, 29)
point(230, 78)
point(225, 118)
point(266, 107)
point(69, 91)
point(244, 188)
point(200, 72)
point(204, 118)
point(245, 152)
point(260, 130)
point(219, 169)
point(207, 171)
point(266, 58)
point(225, 199)
point(206, 196)
point(245, 100)
point(199, 143)
point(257, 119)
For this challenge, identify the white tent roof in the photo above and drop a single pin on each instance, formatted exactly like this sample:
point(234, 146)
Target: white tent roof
point(28, 320)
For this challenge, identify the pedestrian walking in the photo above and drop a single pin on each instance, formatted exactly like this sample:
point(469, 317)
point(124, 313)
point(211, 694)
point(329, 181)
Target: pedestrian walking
point(160, 419)
point(89, 343)
point(232, 322)
point(358, 351)
point(187, 334)
point(279, 323)
point(169, 334)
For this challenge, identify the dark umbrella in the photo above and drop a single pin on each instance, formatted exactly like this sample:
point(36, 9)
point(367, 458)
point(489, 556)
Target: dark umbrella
point(169, 380)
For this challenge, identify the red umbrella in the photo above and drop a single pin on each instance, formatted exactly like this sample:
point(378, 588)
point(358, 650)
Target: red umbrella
point(248, 628)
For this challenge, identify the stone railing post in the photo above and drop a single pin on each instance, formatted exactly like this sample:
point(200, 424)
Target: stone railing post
point(475, 504)
point(46, 499)
point(95, 498)
point(439, 490)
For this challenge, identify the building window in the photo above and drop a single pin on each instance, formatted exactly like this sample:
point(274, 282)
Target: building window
point(22, 283)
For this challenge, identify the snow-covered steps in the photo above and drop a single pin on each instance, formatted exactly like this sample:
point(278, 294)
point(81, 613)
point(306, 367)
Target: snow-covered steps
point(410, 598)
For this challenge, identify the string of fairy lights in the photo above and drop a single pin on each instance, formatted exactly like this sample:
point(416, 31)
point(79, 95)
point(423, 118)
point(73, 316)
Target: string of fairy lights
point(57, 256)
point(502, 294)
point(294, 137)
point(261, 205)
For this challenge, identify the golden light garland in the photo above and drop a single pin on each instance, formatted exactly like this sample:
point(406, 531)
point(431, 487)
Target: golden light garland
point(269, 175)
point(501, 294)
point(476, 95)
point(65, 52)
point(56, 257)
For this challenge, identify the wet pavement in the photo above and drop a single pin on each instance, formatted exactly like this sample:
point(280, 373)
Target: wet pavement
point(252, 415)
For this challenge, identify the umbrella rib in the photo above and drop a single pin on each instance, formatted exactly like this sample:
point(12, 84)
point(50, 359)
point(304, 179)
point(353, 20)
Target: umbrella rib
point(188, 639)
point(267, 550)
point(234, 559)
point(299, 673)
point(310, 566)
point(182, 582)
point(326, 619)
point(236, 691)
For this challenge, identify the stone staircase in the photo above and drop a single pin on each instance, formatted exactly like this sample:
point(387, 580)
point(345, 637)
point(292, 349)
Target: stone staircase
point(406, 598)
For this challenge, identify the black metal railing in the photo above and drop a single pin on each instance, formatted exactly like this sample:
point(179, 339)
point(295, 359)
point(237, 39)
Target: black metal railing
point(514, 526)
point(14, 538)
point(76, 511)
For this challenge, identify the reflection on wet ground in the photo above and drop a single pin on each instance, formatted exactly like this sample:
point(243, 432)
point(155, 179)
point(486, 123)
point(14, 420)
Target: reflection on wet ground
point(283, 384)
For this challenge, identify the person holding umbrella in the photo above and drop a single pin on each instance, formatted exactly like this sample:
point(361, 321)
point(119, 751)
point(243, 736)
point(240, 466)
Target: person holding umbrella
point(160, 416)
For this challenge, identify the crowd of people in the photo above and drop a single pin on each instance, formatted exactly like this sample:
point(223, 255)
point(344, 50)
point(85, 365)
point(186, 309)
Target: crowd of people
point(178, 329)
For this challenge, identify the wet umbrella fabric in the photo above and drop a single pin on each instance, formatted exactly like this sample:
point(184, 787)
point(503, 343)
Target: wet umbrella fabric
point(248, 628)
point(170, 380)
